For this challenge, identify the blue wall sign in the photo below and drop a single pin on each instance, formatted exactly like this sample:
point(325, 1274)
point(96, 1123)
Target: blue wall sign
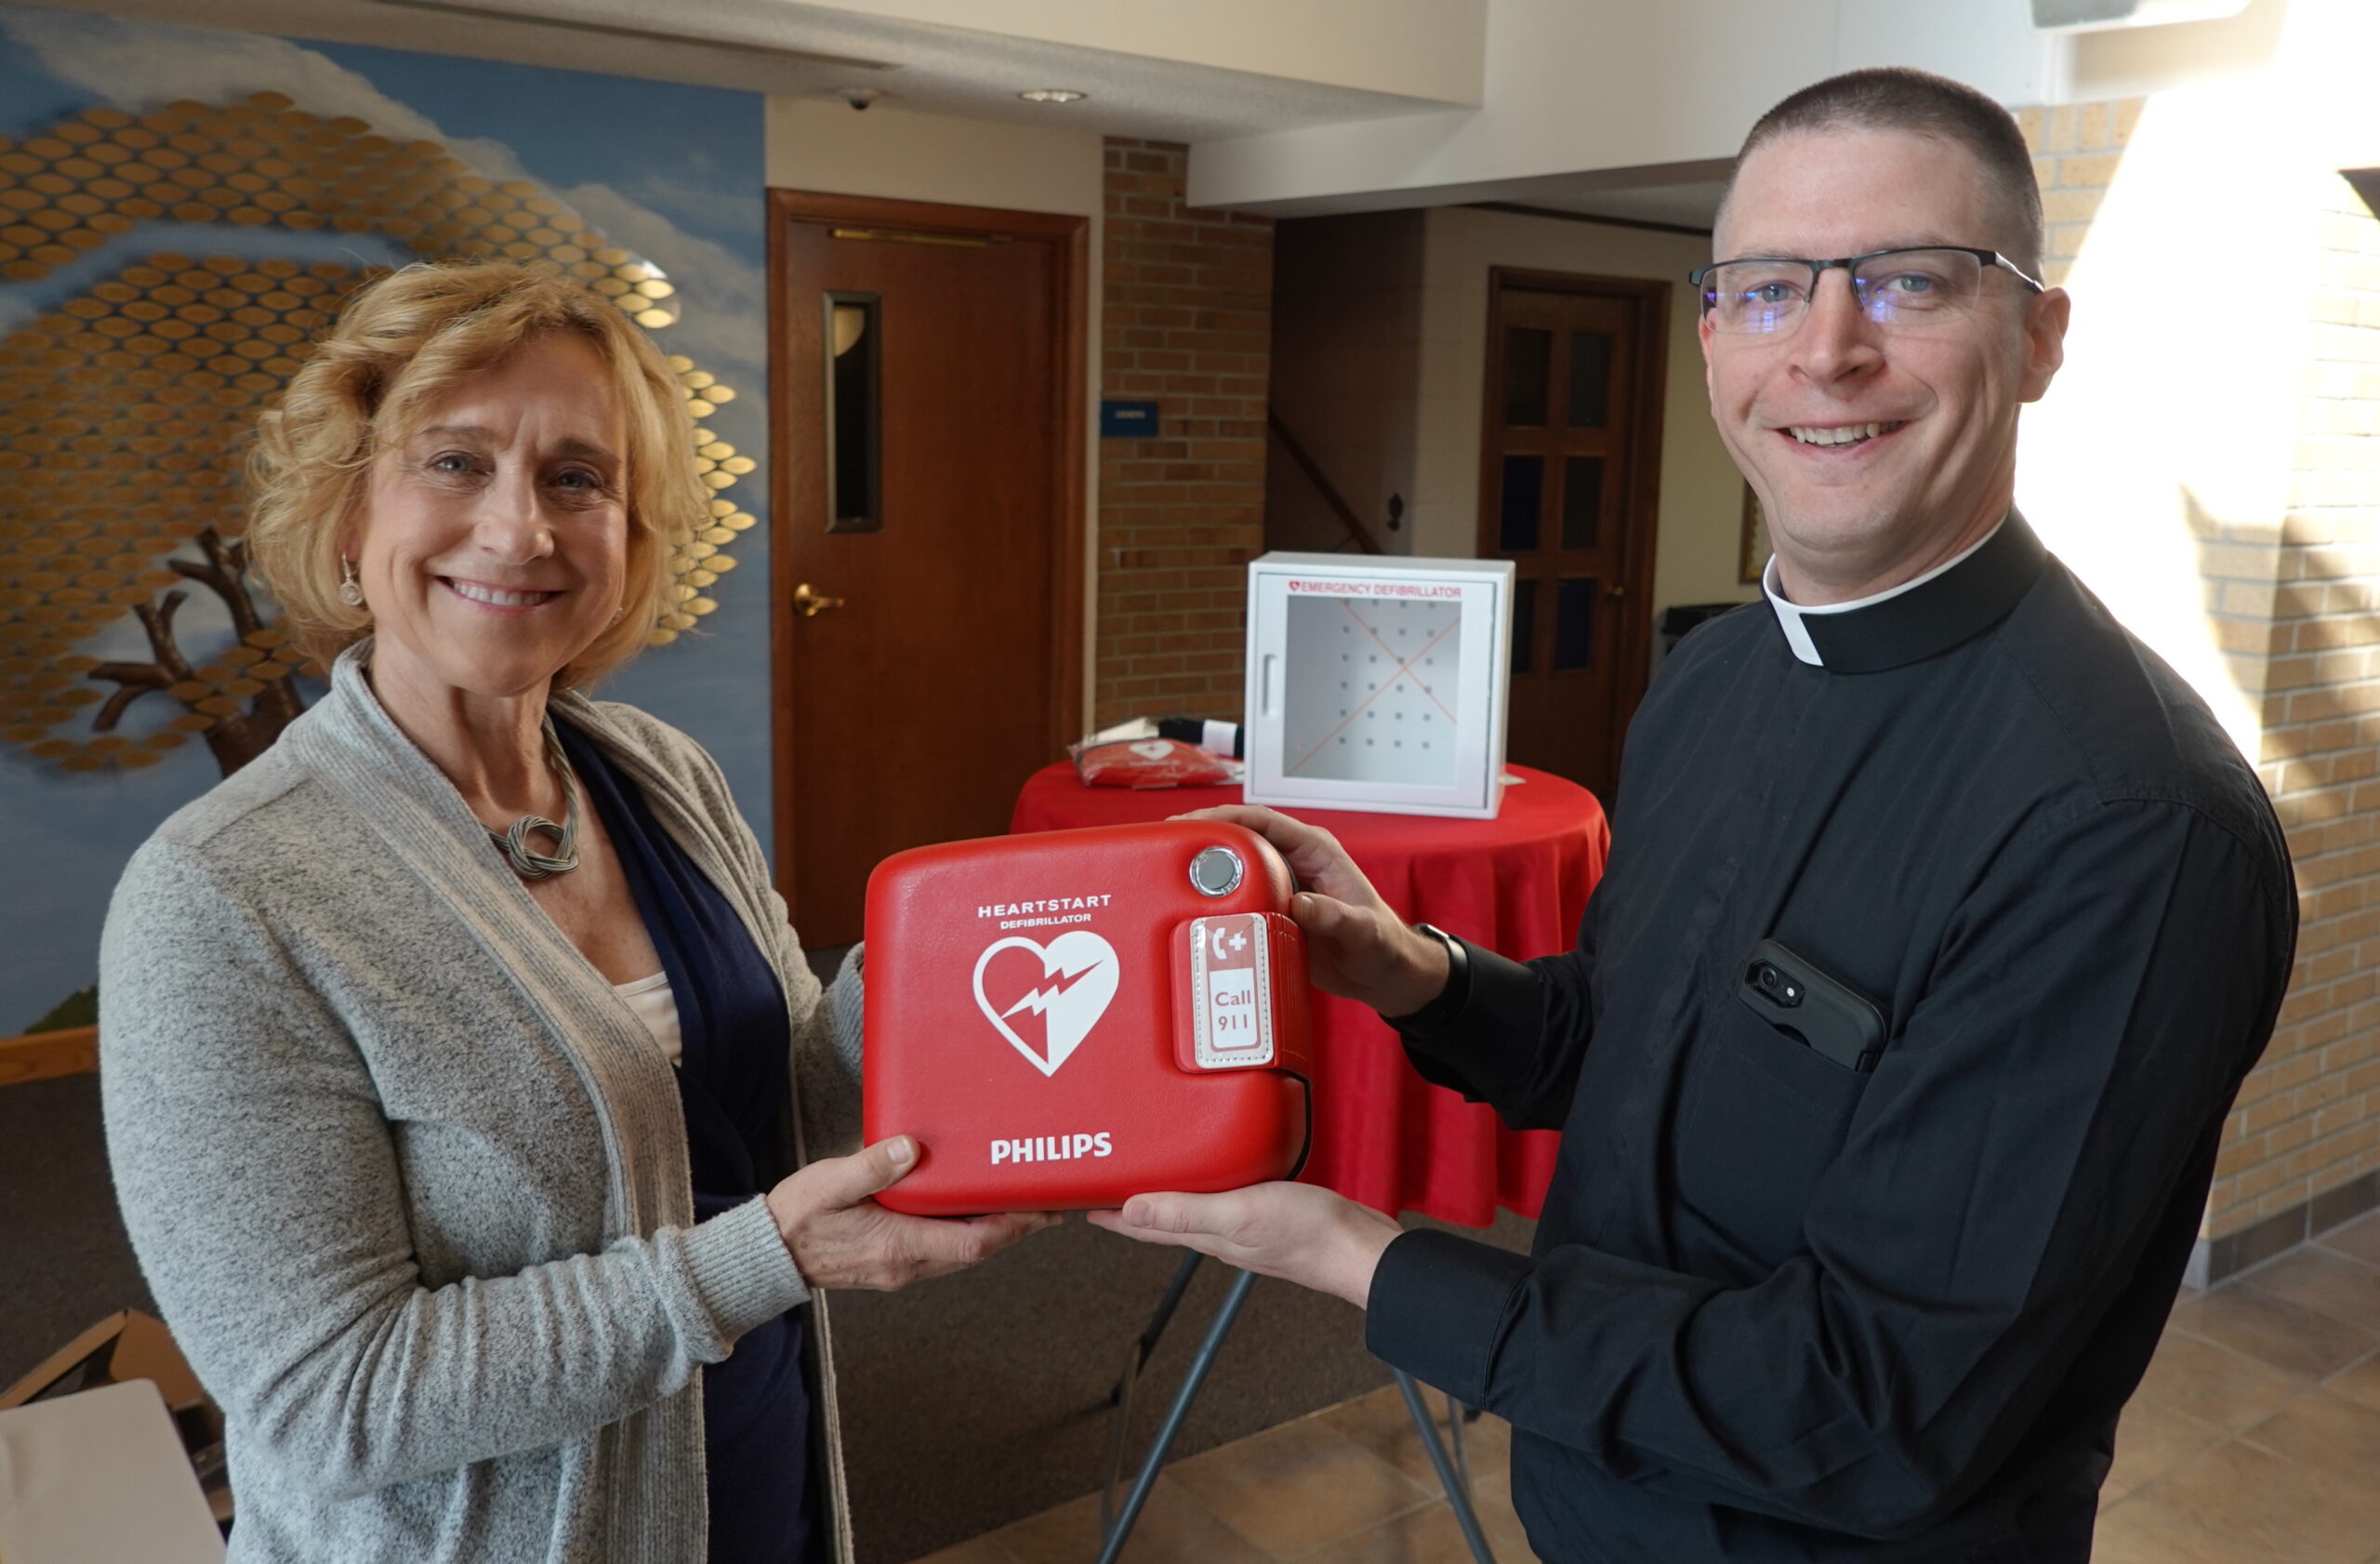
point(1127, 420)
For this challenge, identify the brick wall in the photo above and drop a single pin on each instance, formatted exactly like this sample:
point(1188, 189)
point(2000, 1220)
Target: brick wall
point(2297, 609)
point(2294, 604)
point(2076, 152)
point(1188, 311)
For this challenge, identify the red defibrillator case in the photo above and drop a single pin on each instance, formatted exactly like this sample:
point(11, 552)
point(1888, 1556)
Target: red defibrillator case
point(1068, 1018)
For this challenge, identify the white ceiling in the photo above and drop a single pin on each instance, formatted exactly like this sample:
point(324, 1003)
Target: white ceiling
point(1670, 194)
point(760, 45)
point(1691, 204)
point(816, 50)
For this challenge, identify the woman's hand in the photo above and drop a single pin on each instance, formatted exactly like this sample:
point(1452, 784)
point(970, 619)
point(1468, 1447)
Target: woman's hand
point(1298, 1232)
point(1355, 946)
point(840, 1237)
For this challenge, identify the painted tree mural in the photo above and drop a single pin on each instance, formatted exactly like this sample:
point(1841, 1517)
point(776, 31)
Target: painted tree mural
point(125, 409)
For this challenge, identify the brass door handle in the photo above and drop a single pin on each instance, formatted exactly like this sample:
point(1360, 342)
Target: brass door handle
point(810, 604)
point(1616, 591)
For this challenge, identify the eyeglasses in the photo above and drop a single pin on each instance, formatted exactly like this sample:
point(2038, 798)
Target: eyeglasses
point(1901, 289)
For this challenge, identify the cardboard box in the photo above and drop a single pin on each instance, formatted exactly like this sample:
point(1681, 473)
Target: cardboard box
point(129, 1345)
point(100, 1477)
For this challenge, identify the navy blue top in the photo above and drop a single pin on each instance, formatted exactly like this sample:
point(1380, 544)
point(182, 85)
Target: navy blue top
point(732, 1084)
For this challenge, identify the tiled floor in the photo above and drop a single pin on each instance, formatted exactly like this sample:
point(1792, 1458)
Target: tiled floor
point(2255, 1439)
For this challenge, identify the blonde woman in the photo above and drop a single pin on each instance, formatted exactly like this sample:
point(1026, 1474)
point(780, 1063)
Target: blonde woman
point(454, 1050)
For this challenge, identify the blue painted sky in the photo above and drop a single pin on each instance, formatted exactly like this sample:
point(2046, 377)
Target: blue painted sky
point(710, 186)
point(31, 96)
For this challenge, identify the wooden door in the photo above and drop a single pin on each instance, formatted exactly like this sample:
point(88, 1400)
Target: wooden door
point(1570, 460)
point(928, 530)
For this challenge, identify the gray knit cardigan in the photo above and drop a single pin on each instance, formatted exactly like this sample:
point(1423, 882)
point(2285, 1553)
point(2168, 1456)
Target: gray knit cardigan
point(409, 1180)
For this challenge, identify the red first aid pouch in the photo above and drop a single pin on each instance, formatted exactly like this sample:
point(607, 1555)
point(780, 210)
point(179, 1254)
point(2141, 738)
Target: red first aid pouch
point(1147, 763)
point(1068, 1018)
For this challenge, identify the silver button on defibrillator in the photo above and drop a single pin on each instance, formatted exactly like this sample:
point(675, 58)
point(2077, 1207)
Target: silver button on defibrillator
point(1217, 871)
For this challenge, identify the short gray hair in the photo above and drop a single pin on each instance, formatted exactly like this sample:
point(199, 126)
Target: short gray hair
point(1899, 98)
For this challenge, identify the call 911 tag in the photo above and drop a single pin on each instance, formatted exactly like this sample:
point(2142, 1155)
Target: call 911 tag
point(1231, 991)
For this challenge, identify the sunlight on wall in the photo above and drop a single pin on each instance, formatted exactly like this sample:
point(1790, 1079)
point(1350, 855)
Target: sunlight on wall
point(2179, 394)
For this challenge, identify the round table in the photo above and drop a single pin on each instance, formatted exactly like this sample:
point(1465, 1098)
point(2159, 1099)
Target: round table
point(1517, 884)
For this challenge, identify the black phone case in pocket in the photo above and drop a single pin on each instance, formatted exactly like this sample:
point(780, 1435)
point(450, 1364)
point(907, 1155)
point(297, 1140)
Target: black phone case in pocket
point(1811, 1005)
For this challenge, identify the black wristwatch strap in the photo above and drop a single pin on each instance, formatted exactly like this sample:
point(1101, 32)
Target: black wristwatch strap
point(1453, 997)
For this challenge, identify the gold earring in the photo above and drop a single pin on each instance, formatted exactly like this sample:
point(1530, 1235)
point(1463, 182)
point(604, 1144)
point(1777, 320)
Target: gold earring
point(351, 590)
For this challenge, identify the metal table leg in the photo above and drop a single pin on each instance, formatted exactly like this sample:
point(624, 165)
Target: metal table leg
point(1136, 1358)
point(1121, 1531)
point(1155, 1327)
point(1458, 1485)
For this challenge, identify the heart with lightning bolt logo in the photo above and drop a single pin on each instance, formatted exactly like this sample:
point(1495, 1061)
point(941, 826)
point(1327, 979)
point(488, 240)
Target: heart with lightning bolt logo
point(1070, 992)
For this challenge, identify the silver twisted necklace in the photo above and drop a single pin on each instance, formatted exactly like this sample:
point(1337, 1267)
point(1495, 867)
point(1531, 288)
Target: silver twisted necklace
point(527, 862)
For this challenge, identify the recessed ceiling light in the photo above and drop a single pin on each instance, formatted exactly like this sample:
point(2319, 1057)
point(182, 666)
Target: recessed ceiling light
point(1053, 94)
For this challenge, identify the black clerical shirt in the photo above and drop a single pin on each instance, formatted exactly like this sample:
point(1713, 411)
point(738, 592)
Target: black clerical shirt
point(1781, 1309)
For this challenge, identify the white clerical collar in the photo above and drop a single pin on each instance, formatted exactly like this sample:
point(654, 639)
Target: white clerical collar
point(1790, 615)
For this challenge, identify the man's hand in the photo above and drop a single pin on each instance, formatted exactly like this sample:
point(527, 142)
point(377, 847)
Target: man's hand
point(1355, 946)
point(1298, 1232)
point(840, 1237)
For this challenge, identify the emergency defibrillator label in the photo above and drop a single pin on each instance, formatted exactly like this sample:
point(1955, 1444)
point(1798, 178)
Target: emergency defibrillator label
point(1231, 991)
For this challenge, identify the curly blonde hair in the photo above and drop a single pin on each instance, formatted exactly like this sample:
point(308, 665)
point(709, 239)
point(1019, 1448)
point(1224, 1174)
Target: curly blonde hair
point(400, 344)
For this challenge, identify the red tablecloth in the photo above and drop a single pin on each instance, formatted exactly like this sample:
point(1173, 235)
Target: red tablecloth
point(1517, 884)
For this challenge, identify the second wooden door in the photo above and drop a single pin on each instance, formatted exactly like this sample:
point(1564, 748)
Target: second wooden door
point(1569, 491)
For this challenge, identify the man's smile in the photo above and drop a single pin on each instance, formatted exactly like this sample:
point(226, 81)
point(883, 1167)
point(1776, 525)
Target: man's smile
point(1842, 434)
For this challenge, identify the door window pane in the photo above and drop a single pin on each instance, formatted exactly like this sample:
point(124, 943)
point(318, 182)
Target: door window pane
point(1589, 379)
point(854, 345)
point(1574, 624)
point(1523, 489)
point(1528, 366)
point(1582, 501)
point(1524, 627)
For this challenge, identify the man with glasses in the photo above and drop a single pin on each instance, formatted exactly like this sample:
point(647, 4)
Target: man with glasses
point(1941, 923)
